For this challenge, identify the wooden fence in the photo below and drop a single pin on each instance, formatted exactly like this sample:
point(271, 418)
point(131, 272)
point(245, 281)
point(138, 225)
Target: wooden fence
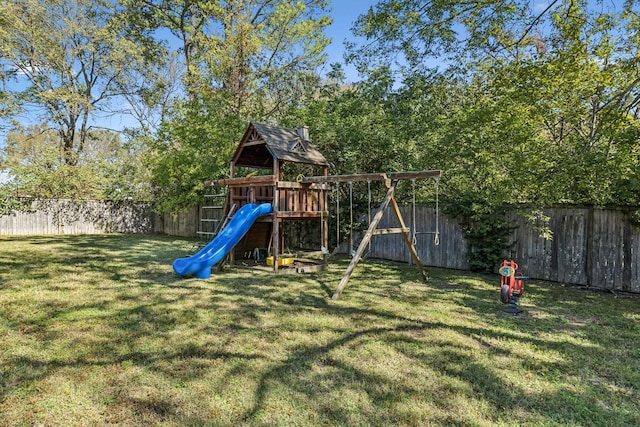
point(69, 217)
point(50, 217)
point(594, 247)
point(184, 223)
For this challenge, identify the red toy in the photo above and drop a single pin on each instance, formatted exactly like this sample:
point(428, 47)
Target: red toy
point(511, 285)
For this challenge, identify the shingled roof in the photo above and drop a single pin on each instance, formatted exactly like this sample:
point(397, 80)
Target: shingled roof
point(263, 143)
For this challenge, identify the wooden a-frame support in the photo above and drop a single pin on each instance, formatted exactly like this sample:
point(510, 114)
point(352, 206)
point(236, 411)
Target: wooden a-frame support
point(372, 230)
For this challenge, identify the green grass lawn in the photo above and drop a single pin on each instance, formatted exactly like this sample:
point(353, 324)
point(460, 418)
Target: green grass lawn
point(97, 330)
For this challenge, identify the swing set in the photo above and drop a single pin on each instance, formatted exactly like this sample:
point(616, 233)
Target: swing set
point(390, 181)
point(414, 230)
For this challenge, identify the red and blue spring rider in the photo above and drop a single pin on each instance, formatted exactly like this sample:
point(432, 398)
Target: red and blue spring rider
point(511, 285)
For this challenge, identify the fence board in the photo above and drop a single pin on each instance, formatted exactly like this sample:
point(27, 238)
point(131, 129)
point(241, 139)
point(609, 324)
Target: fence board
point(608, 250)
point(450, 253)
point(50, 217)
point(593, 247)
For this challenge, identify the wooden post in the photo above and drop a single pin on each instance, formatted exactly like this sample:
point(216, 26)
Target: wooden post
point(323, 203)
point(589, 245)
point(407, 239)
point(275, 237)
point(324, 226)
point(365, 241)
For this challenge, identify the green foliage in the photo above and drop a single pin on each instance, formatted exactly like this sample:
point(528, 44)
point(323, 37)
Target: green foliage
point(419, 30)
point(634, 218)
point(67, 60)
point(355, 126)
point(195, 145)
point(106, 169)
point(484, 149)
point(486, 229)
point(583, 100)
point(9, 203)
point(127, 177)
point(262, 53)
point(244, 60)
point(536, 106)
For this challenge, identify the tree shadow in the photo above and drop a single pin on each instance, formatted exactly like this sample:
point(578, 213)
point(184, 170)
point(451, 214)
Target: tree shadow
point(358, 360)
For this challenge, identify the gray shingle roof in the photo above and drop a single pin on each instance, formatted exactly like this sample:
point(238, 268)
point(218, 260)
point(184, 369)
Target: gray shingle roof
point(280, 143)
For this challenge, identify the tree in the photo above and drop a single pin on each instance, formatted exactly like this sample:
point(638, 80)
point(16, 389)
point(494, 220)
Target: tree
point(149, 102)
point(259, 51)
point(542, 107)
point(106, 169)
point(354, 125)
point(69, 60)
point(194, 145)
point(244, 60)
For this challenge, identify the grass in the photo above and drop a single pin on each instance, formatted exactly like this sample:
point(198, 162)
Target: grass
point(97, 330)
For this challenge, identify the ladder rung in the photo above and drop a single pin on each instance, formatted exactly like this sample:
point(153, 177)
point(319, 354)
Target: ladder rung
point(208, 233)
point(209, 220)
point(212, 207)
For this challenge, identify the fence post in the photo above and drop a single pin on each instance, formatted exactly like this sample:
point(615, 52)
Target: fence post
point(589, 243)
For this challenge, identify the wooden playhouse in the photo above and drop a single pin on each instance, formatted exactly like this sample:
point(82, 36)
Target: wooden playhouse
point(272, 160)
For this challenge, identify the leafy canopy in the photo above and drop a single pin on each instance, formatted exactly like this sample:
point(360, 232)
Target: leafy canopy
point(66, 61)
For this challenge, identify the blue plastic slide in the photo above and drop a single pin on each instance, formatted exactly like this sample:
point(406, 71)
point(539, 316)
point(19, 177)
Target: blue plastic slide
point(199, 265)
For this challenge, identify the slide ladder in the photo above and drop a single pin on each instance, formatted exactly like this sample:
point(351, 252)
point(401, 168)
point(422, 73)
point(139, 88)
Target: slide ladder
point(212, 214)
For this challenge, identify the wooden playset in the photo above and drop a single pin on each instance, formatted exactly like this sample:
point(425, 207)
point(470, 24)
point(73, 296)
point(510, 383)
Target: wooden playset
point(303, 197)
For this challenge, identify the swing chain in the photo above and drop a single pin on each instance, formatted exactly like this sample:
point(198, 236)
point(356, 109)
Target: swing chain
point(414, 240)
point(369, 197)
point(436, 238)
point(351, 251)
point(369, 208)
point(337, 214)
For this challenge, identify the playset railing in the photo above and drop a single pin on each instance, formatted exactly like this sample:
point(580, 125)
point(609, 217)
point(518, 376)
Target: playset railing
point(294, 199)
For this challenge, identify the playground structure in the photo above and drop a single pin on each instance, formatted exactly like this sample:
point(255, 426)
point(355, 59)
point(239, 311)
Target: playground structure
point(511, 285)
point(303, 197)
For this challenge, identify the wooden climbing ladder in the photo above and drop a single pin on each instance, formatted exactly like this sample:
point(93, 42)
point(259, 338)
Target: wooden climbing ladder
point(213, 216)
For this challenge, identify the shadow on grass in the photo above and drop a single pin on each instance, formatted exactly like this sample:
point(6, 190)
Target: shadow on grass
point(48, 258)
point(276, 350)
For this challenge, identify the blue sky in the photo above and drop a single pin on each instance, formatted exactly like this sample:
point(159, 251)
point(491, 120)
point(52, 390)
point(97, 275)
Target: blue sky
point(344, 13)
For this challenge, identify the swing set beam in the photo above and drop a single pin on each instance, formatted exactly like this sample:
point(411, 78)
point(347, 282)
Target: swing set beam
point(391, 181)
point(371, 176)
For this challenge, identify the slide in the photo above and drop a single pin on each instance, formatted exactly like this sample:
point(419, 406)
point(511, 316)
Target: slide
point(199, 265)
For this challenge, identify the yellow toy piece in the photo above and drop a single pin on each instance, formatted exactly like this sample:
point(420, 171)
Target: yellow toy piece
point(281, 261)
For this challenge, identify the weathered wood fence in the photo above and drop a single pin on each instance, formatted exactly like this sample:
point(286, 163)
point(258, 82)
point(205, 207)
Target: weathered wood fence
point(70, 217)
point(594, 247)
point(590, 246)
point(50, 217)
